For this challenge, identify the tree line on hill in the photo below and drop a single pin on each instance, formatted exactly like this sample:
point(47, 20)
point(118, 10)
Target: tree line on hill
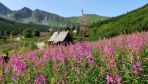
point(134, 21)
point(28, 33)
point(8, 27)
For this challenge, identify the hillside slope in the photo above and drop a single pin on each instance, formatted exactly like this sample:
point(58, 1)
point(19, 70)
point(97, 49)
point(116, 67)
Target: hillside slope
point(90, 18)
point(136, 20)
point(7, 26)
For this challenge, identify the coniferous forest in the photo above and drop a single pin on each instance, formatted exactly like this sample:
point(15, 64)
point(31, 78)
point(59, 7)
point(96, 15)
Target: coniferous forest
point(134, 21)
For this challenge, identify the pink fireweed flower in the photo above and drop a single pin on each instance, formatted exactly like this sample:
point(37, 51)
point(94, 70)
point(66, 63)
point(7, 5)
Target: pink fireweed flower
point(34, 59)
point(40, 80)
point(109, 50)
point(14, 77)
point(1, 60)
point(137, 46)
point(118, 79)
point(87, 47)
point(78, 54)
point(113, 79)
point(45, 57)
point(109, 79)
point(32, 55)
point(82, 50)
point(1, 77)
point(78, 46)
point(18, 65)
point(90, 59)
point(137, 67)
point(112, 63)
point(60, 56)
point(78, 50)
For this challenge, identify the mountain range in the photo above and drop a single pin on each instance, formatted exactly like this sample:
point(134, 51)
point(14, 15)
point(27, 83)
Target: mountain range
point(26, 15)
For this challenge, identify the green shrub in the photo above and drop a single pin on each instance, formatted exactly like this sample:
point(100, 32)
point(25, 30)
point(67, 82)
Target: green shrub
point(27, 33)
point(36, 33)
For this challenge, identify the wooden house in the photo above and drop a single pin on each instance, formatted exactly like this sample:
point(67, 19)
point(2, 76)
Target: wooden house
point(62, 37)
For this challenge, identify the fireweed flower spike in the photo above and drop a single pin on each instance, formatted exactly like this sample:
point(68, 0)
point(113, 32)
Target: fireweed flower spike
point(109, 50)
point(113, 79)
point(118, 79)
point(18, 65)
point(32, 56)
point(109, 79)
point(60, 55)
point(1, 77)
point(90, 59)
point(14, 77)
point(40, 80)
point(137, 67)
point(79, 50)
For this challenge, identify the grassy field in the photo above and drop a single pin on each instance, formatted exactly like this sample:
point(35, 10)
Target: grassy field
point(25, 44)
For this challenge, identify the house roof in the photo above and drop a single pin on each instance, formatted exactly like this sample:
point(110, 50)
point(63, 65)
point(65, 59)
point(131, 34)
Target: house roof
point(61, 36)
point(54, 35)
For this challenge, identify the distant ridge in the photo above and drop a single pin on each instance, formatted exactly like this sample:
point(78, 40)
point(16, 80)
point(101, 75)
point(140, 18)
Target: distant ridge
point(26, 15)
point(4, 10)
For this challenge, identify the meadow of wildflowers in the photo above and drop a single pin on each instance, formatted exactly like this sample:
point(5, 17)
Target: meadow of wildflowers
point(118, 60)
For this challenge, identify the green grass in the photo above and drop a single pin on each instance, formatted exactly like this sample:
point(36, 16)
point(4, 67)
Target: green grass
point(90, 18)
point(26, 44)
point(134, 21)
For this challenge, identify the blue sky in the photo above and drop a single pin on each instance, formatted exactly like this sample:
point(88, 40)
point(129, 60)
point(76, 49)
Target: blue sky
point(73, 7)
